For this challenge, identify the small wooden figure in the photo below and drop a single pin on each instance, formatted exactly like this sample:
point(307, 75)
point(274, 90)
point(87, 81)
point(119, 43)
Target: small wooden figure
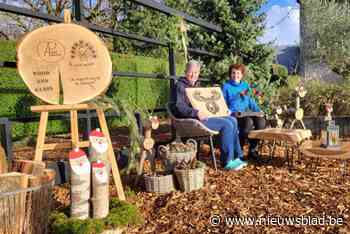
point(280, 121)
point(330, 135)
point(80, 183)
point(147, 146)
point(100, 190)
point(98, 149)
point(329, 110)
point(299, 112)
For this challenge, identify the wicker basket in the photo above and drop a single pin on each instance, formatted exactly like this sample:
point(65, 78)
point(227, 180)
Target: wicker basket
point(170, 157)
point(190, 179)
point(159, 184)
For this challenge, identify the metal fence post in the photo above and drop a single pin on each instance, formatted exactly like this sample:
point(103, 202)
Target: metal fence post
point(78, 9)
point(172, 73)
point(6, 137)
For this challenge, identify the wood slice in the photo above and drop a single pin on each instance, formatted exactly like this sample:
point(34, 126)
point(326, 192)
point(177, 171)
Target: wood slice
point(64, 58)
point(289, 135)
point(209, 101)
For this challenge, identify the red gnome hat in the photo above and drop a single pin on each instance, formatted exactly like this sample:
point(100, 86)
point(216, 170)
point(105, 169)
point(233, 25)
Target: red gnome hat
point(76, 153)
point(96, 133)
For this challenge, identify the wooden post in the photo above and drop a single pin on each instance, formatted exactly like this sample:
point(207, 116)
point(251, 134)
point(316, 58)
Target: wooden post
point(41, 136)
point(111, 156)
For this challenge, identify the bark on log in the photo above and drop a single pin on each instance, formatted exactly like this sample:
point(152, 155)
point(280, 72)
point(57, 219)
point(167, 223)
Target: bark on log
point(12, 214)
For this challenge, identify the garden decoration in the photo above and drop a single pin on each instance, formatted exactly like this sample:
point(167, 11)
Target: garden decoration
point(98, 149)
point(208, 100)
point(177, 152)
point(280, 121)
point(100, 190)
point(330, 135)
point(190, 174)
point(299, 112)
point(147, 146)
point(329, 110)
point(65, 65)
point(80, 183)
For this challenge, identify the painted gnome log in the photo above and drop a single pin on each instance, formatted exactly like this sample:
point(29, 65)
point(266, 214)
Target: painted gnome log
point(98, 149)
point(100, 190)
point(80, 183)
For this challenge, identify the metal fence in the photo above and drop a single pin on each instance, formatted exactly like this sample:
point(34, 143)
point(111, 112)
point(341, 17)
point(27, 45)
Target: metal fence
point(78, 13)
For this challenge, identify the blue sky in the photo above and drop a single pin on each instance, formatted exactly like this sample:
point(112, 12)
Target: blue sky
point(282, 22)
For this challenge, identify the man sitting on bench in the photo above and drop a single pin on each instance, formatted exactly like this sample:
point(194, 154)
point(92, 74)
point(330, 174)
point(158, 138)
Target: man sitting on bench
point(231, 151)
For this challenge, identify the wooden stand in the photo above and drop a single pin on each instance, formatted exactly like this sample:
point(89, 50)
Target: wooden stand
point(75, 142)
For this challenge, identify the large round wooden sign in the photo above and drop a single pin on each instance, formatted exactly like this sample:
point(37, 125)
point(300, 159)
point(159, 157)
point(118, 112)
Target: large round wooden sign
point(64, 61)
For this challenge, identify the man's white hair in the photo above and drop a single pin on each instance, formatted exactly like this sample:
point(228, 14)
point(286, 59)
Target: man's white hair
point(192, 63)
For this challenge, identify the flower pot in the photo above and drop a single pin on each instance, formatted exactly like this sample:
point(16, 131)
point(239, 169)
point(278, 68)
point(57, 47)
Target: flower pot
point(190, 179)
point(177, 152)
point(159, 183)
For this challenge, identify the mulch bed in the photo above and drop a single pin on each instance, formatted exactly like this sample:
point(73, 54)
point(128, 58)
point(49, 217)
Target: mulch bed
point(266, 191)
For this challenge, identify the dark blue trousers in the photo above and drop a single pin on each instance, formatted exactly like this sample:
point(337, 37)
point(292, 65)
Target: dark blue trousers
point(228, 128)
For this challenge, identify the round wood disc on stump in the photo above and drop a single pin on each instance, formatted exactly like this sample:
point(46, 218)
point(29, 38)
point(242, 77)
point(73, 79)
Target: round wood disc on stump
point(64, 61)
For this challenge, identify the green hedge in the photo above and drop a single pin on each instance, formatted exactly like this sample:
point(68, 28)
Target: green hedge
point(16, 99)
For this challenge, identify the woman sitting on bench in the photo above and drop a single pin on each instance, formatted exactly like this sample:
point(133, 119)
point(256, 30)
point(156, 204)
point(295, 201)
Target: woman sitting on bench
point(232, 154)
point(238, 101)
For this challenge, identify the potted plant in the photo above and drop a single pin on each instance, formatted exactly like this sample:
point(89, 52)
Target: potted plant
point(190, 174)
point(177, 152)
point(158, 180)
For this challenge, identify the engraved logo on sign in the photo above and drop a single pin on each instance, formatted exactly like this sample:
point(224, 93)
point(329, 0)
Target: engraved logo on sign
point(83, 51)
point(210, 102)
point(50, 51)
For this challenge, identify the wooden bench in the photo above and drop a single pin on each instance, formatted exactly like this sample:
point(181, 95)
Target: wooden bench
point(291, 139)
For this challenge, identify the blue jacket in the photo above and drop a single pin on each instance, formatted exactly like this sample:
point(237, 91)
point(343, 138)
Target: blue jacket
point(237, 102)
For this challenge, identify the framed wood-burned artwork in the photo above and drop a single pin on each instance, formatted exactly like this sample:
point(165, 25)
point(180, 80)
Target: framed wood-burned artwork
point(210, 101)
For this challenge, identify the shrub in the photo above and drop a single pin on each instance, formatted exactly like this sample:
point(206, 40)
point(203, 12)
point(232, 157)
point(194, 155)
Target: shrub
point(279, 73)
point(318, 93)
point(121, 214)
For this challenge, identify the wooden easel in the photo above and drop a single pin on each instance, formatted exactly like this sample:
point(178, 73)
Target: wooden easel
point(75, 142)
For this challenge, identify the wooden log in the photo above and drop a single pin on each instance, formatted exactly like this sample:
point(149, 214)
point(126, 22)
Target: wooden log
point(12, 214)
point(100, 190)
point(29, 167)
point(98, 150)
point(80, 184)
point(64, 58)
point(3, 161)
